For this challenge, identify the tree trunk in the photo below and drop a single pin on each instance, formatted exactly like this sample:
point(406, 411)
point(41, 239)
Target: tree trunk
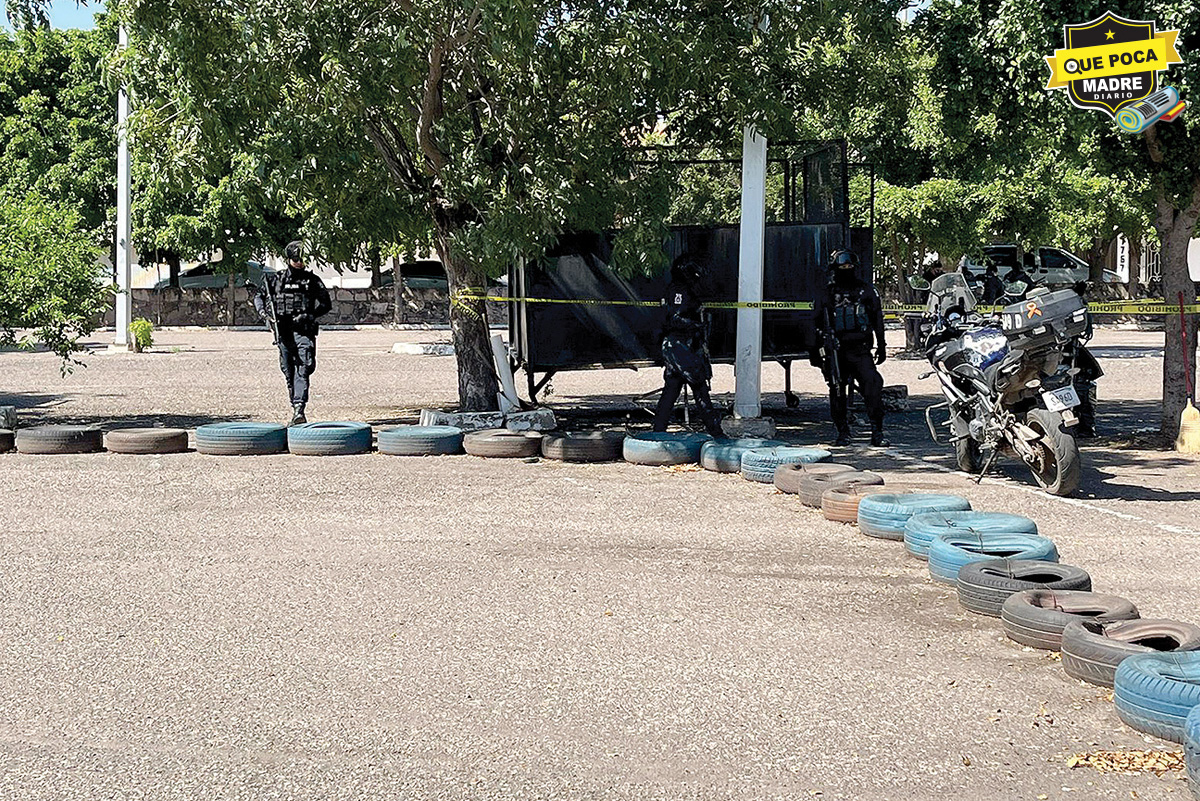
point(1175, 228)
point(397, 291)
point(477, 384)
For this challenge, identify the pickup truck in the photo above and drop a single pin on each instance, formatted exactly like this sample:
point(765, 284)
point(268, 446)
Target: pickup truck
point(1053, 267)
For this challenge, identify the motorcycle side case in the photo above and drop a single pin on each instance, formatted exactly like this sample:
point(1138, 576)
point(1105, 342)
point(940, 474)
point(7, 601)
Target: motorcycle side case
point(1045, 319)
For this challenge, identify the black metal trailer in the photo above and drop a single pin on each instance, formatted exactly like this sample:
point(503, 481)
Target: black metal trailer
point(553, 337)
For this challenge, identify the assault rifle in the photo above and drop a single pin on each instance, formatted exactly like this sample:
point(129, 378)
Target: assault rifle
point(268, 302)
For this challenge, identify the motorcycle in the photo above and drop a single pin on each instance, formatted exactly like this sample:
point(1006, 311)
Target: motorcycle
point(1009, 379)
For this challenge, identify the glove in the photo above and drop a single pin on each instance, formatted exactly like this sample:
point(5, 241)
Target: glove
point(303, 320)
point(814, 358)
point(881, 354)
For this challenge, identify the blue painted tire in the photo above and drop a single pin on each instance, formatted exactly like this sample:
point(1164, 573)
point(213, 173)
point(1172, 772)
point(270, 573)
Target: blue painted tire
point(660, 448)
point(421, 441)
point(725, 455)
point(1155, 693)
point(241, 439)
point(949, 553)
point(884, 515)
point(920, 529)
point(760, 464)
point(1191, 747)
point(333, 438)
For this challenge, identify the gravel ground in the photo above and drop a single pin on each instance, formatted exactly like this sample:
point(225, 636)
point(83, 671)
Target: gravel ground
point(379, 627)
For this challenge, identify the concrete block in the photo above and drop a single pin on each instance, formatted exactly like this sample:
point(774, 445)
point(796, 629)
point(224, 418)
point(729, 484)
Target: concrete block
point(895, 398)
point(419, 349)
point(536, 420)
point(758, 427)
point(467, 421)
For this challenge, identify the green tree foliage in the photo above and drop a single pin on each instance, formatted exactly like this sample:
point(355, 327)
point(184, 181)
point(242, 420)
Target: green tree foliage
point(51, 284)
point(57, 161)
point(485, 127)
point(57, 122)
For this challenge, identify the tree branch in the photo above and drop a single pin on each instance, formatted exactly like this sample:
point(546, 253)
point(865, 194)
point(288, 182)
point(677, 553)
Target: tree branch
point(431, 108)
point(395, 155)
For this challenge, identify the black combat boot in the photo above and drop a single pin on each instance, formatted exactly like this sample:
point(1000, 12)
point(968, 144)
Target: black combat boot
point(843, 437)
point(298, 415)
point(878, 440)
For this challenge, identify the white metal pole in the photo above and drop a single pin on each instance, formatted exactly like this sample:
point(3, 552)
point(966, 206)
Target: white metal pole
point(747, 400)
point(124, 264)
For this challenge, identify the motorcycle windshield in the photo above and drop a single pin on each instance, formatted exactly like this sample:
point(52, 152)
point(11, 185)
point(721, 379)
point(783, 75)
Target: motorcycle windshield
point(949, 291)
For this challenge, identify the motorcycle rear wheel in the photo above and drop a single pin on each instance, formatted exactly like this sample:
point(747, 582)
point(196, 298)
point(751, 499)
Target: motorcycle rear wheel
point(1057, 469)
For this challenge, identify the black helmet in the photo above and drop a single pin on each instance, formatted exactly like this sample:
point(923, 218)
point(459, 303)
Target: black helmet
point(843, 260)
point(687, 268)
point(294, 251)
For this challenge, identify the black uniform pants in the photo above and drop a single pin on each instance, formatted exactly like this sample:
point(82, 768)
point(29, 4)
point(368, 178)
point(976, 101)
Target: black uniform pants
point(297, 360)
point(858, 365)
point(672, 386)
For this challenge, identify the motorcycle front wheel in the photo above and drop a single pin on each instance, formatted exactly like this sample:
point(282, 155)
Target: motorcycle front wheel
point(1056, 467)
point(968, 455)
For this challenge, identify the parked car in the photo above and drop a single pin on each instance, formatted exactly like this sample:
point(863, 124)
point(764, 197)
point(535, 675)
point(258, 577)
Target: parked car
point(208, 275)
point(427, 274)
point(1052, 267)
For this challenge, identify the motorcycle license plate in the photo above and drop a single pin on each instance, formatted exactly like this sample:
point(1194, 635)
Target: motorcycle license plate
point(1059, 400)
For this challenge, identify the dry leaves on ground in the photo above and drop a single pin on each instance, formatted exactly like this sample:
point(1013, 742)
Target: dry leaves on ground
point(1129, 763)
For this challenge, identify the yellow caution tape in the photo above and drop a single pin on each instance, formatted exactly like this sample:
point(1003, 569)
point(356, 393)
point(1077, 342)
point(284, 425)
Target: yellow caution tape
point(1120, 307)
point(891, 310)
point(769, 305)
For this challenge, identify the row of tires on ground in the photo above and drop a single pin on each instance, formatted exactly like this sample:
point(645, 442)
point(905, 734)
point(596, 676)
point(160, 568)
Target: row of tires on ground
point(999, 563)
point(1001, 567)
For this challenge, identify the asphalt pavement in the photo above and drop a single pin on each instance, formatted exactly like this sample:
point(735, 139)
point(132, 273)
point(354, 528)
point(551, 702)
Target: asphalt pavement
point(381, 627)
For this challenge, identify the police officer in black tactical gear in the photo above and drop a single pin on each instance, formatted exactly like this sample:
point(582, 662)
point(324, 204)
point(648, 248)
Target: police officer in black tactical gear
point(685, 357)
point(849, 316)
point(294, 298)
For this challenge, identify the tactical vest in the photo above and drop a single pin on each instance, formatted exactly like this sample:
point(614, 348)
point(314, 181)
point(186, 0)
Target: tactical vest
point(848, 310)
point(295, 296)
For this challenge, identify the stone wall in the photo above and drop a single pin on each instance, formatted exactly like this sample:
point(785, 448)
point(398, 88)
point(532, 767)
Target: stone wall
point(231, 307)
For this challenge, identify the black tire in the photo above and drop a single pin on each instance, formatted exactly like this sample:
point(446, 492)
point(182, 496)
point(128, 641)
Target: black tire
point(335, 438)
point(591, 446)
point(7, 440)
point(968, 455)
point(1154, 693)
point(420, 441)
point(814, 486)
point(983, 587)
point(1037, 617)
point(1059, 470)
point(146, 440)
point(500, 443)
point(1092, 650)
point(789, 476)
point(241, 439)
point(59, 439)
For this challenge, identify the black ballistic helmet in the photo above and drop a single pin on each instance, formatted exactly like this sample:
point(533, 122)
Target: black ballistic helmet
point(294, 251)
point(687, 268)
point(843, 260)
